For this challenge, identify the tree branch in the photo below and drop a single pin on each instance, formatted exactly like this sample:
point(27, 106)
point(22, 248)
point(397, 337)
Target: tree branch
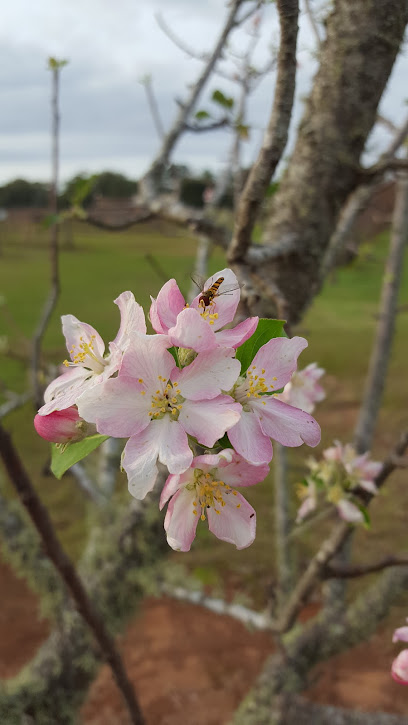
point(149, 182)
point(375, 381)
point(349, 571)
point(275, 136)
point(147, 84)
point(54, 270)
point(40, 518)
point(313, 23)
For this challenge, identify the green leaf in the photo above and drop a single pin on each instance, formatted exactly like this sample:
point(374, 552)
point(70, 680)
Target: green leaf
point(224, 101)
point(366, 515)
point(201, 115)
point(50, 220)
point(62, 460)
point(224, 442)
point(243, 131)
point(266, 330)
point(173, 351)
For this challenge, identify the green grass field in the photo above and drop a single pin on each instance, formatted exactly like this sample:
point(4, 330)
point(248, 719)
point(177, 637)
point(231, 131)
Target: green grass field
point(339, 326)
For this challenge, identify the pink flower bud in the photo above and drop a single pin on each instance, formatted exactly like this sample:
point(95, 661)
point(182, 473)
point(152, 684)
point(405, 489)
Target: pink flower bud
point(61, 426)
point(399, 669)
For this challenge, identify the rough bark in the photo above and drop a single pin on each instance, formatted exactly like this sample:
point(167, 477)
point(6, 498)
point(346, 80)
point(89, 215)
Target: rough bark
point(357, 56)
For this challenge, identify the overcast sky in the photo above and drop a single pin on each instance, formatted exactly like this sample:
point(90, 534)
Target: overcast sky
point(110, 45)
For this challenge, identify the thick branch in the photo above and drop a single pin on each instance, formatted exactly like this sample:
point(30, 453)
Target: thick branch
point(275, 136)
point(40, 518)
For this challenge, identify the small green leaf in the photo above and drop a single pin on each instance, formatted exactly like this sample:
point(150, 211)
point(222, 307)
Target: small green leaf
point(173, 352)
point(224, 101)
point(62, 460)
point(224, 442)
point(266, 330)
point(201, 115)
point(366, 515)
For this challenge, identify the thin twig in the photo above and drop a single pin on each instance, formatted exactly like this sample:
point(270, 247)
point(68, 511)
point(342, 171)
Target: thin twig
point(51, 302)
point(380, 356)
point(147, 84)
point(15, 402)
point(41, 520)
point(282, 524)
point(313, 22)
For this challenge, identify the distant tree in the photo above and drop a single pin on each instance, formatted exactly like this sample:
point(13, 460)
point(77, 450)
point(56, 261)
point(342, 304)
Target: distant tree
point(22, 193)
point(110, 184)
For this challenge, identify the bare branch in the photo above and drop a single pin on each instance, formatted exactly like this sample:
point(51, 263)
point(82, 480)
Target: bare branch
point(378, 365)
point(16, 401)
point(282, 525)
point(355, 204)
point(275, 136)
point(203, 252)
point(41, 520)
point(54, 270)
point(147, 84)
point(85, 482)
point(215, 126)
point(149, 181)
point(313, 23)
point(349, 571)
point(379, 169)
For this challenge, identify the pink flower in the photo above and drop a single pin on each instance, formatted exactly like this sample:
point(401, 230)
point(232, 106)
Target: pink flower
point(361, 470)
point(157, 406)
point(399, 669)
point(263, 416)
point(62, 426)
point(88, 366)
point(400, 634)
point(206, 490)
point(303, 390)
point(199, 326)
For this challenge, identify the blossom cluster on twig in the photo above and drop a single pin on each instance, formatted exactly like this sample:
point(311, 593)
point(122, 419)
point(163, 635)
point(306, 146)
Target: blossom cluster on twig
point(184, 397)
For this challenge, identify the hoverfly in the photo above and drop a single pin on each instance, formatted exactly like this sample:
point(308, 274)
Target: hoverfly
point(208, 295)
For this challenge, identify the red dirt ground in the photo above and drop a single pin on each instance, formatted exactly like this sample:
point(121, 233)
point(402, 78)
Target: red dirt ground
point(192, 666)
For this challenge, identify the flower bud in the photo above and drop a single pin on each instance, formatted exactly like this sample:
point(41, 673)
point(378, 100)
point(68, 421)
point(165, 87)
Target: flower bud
point(399, 669)
point(62, 426)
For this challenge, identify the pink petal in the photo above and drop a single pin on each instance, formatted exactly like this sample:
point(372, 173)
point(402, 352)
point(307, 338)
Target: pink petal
point(174, 451)
point(249, 440)
point(368, 486)
point(147, 359)
point(168, 304)
point(209, 374)
point(241, 473)
point(208, 420)
point(64, 391)
point(132, 319)
point(400, 635)
point(139, 460)
point(308, 505)
point(154, 317)
point(349, 512)
point(286, 424)
point(238, 334)
point(226, 302)
point(74, 330)
point(399, 669)
point(236, 522)
point(117, 407)
point(192, 331)
point(172, 485)
point(180, 522)
point(278, 358)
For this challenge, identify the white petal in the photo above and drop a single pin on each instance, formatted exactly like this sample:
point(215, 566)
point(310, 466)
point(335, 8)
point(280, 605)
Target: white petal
point(132, 319)
point(236, 522)
point(209, 374)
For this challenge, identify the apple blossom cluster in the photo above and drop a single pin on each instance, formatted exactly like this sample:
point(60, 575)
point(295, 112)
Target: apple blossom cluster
point(399, 669)
point(338, 476)
point(182, 392)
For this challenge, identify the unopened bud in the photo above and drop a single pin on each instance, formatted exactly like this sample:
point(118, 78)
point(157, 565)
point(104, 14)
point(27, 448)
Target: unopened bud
point(63, 426)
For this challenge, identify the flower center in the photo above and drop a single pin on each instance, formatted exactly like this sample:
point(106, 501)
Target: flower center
point(166, 399)
point(252, 386)
point(87, 357)
point(209, 493)
point(206, 313)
